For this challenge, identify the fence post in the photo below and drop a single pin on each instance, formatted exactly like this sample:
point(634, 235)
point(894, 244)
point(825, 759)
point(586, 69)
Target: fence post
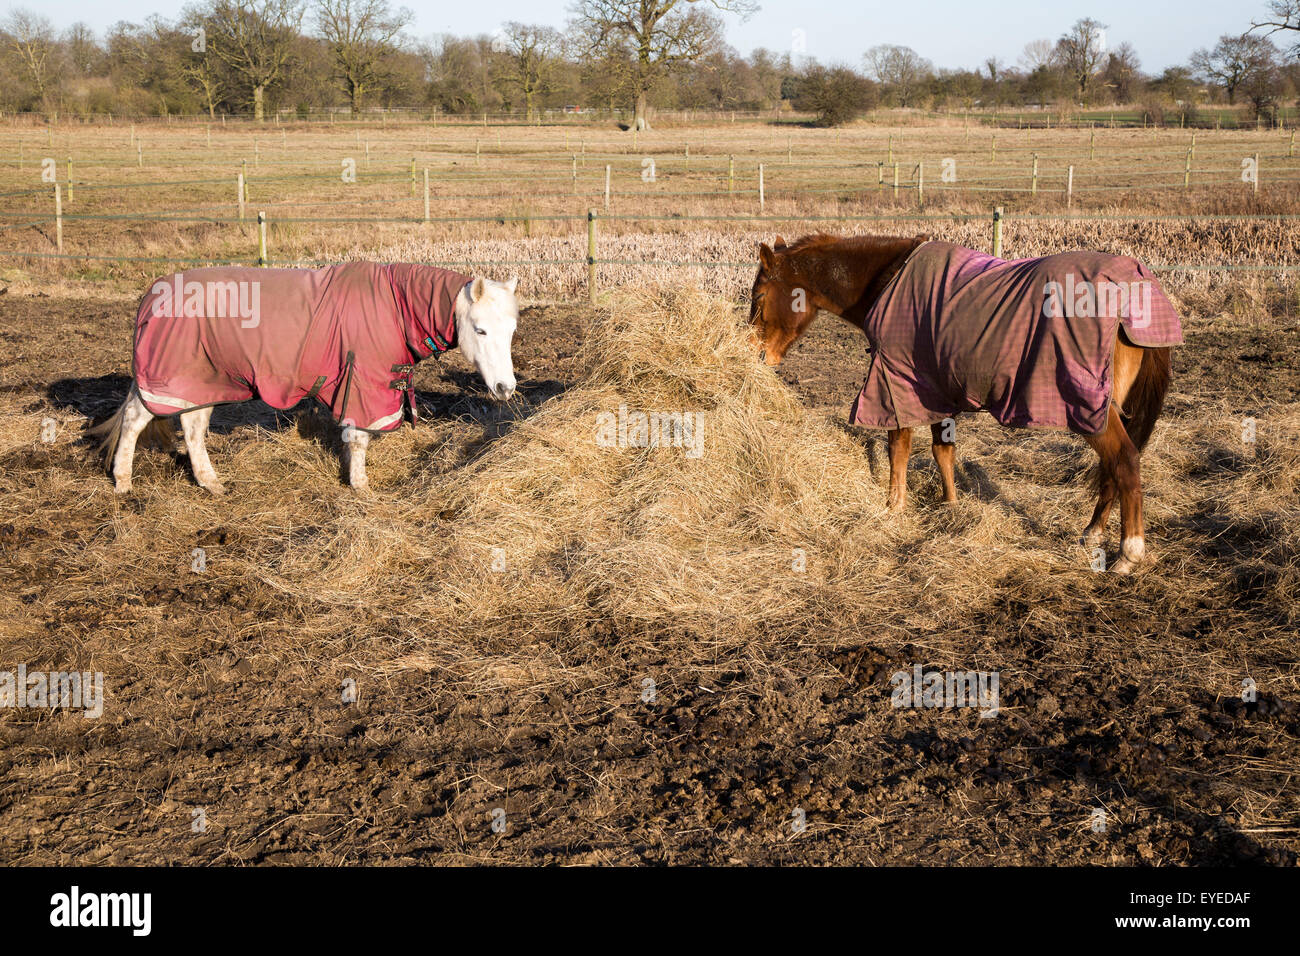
point(426, 193)
point(575, 174)
point(993, 149)
point(1187, 171)
point(731, 175)
point(1092, 143)
point(1069, 187)
point(240, 185)
point(1033, 177)
point(261, 239)
point(607, 184)
point(762, 202)
point(895, 194)
point(1291, 149)
point(591, 255)
point(920, 185)
point(880, 177)
point(58, 217)
point(412, 175)
point(69, 179)
point(997, 233)
point(139, 153)
point(890, 158)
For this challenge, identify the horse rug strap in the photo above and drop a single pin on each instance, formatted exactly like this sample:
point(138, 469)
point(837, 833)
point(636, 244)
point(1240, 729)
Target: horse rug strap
point(347, 335)
point(1030, 341)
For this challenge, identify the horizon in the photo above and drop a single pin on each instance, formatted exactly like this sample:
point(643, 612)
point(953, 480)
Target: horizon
point(968, 38)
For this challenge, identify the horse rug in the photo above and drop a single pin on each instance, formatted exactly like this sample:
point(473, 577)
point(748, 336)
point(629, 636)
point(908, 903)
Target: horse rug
point(1030, 341)
point(347, 335)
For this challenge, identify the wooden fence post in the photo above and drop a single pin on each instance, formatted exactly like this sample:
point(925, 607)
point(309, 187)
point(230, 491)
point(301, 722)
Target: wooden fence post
point(1069, 187)
point(731, 175)
point(58, 217)
point(920, 185)
point(895, 194)
point(1187, 171)
point(607, 185)
point(261, 239)
point(240, 186)
point(1033, 177)
point(762, 203)
point(997, 233)
point(591, 255)
point(69, 179)
point(412, 175)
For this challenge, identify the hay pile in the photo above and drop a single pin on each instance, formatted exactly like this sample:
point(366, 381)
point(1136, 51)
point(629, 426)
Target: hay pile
point(748, 517)
point(765, 512)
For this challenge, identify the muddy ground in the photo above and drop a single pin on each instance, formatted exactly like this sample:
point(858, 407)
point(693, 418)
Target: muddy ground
point(225, 738)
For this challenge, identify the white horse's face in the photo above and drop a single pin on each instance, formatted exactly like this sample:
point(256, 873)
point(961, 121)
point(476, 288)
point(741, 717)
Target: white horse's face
point(486, 316)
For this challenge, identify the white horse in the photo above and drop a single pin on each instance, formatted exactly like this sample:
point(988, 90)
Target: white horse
point(486, 316)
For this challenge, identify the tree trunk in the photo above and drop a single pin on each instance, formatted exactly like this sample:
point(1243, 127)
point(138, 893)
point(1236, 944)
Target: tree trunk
point(259, 113)
point(641, 121)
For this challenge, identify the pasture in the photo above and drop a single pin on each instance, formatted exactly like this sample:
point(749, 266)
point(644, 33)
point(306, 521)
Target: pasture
point(526, 646)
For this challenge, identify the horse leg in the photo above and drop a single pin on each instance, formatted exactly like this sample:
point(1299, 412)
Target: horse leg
point(945, 456)
point(1120, 459)
point(1127, 362)
point(900, 447)
point(195, 425)
point(135, 418)
point(357, 440)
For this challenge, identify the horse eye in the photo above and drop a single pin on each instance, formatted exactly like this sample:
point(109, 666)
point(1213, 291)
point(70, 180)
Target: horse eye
point(481, 331)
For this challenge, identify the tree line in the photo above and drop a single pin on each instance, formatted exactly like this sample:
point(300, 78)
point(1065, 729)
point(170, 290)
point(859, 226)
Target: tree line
point(259, 56)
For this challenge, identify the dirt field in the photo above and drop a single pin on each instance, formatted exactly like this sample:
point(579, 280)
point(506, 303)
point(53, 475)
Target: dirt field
point(1119, 695)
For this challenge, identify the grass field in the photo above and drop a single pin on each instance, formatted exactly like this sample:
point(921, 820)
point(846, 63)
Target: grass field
point(637, 655)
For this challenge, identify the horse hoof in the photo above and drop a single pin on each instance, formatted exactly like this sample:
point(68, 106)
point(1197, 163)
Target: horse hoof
point(214, 487)
point(122, 487)
point(1122, 566)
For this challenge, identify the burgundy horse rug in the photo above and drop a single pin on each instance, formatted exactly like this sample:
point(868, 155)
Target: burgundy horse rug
point(1030, 341)
point(347, 335)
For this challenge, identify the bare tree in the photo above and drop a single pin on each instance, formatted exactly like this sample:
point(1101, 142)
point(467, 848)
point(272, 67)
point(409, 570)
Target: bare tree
point(31, 38)
point(254, 38)
point(1036, 54)
point(361, 34)
point(1121, 73)
point(1284, 15)
point(528, 56)
point(659, 34)
point(898, 67)
point(83, 52)
point(1081, 51)
point(1232, 61)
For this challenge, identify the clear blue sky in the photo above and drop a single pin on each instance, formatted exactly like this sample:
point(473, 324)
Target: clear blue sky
point(949, 32)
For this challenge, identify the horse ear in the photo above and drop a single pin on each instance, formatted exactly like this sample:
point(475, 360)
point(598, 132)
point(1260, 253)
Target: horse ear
point(921, 238)
point(780, 243)
point(476, 289)
point(512, 284)
point(766, 257)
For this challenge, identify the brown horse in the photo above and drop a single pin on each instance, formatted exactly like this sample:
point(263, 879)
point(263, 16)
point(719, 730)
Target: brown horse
point(846, 276)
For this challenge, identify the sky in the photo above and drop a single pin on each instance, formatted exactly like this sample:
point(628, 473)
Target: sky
point(950, 33)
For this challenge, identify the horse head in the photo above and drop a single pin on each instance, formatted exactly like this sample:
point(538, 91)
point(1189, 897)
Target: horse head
point(487, 314)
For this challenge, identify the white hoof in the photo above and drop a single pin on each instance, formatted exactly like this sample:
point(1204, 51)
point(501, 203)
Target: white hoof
point(214, 487)
point(1092, 537)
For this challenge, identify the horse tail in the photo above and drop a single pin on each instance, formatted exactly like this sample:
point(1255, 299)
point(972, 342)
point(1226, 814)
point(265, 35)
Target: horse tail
point(1146, 397)
point(159, 432)
point(109, 431)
